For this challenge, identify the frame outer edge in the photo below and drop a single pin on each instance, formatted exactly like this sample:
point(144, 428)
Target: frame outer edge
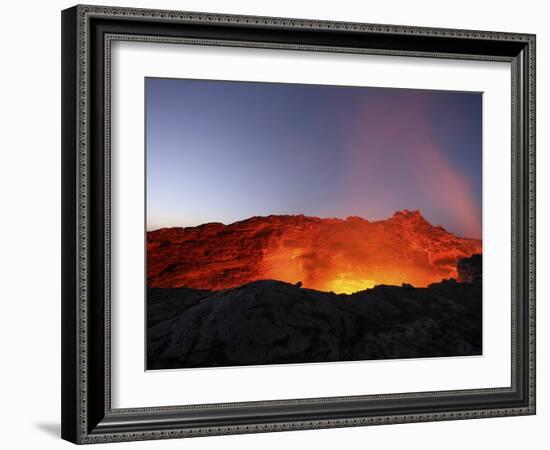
point(69, 264)
point(532, 143)
point(295, 23)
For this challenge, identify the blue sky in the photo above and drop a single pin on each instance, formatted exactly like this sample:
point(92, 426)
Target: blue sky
point(223, 151)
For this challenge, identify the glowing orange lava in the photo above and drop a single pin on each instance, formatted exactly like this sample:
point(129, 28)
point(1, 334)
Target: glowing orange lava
point(343, 256)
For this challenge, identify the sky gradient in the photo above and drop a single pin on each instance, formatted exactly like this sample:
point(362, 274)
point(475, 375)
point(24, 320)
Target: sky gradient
point(223, 151)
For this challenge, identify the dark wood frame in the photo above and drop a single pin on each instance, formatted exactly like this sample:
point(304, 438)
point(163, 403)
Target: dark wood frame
point(87, 32)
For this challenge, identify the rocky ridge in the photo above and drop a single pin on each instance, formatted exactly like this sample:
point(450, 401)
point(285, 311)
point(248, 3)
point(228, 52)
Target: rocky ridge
point(339, 255)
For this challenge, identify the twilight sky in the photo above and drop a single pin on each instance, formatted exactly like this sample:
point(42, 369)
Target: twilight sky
point(222, 151)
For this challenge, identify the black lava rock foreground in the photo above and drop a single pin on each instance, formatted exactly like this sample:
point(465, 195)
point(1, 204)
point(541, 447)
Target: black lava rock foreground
point(271, 322)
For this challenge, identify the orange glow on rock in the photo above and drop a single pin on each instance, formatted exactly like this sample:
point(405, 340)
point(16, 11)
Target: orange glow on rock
point(348, 283)
point(343, 256)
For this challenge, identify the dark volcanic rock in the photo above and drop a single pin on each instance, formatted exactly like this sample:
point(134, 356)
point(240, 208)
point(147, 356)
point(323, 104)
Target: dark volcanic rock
point(470, 269)
point(271, 322)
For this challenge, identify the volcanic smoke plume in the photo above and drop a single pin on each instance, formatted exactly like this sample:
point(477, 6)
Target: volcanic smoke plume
point(343, 256)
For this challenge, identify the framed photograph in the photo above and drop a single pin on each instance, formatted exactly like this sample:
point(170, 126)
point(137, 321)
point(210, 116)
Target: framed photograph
point(279, 224)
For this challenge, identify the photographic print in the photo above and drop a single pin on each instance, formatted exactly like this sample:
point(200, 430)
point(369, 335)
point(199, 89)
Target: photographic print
point(313, 201)
point(302, 223)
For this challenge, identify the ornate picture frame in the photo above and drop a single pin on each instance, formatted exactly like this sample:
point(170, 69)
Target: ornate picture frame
point(88, 33)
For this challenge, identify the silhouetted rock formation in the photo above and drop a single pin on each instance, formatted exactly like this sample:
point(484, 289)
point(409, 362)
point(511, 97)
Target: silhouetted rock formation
point(324, 254)
point(271, 322)
point(469, 269)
